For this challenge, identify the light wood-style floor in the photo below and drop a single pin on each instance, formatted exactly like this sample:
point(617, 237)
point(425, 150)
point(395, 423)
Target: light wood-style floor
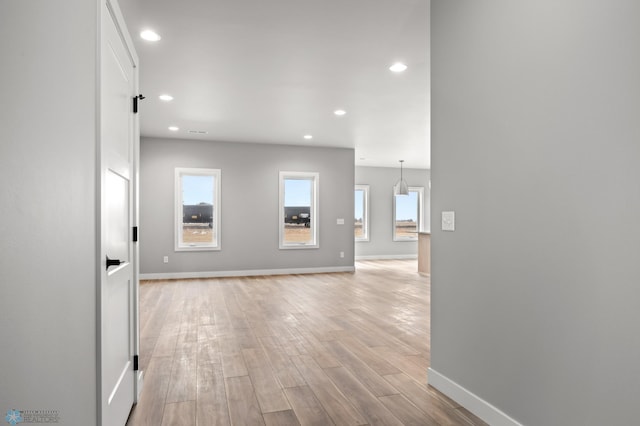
point(325, 349)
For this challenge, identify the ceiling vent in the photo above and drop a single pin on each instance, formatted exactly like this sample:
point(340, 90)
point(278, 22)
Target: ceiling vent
point(198, 132)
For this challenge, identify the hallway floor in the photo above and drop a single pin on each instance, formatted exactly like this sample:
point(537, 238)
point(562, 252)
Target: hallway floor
point(343, 349)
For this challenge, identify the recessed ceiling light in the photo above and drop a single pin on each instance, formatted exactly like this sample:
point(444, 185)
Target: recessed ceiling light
point(150, 35)
point(339, 112)
point(166, 98)
point(174, 128)
point(398, 67)
point(308, 136)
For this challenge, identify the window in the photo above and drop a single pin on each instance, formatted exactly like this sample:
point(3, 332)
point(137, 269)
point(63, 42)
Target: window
point(361, 225)
point(298, 210)
point(197, 209)
point(407, 214)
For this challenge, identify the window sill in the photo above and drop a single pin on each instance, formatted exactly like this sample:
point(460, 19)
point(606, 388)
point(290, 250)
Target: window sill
point(298, 246)
point(197, 248)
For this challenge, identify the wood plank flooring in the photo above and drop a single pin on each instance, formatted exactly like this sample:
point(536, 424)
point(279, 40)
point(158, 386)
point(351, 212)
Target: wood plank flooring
point(325, 349)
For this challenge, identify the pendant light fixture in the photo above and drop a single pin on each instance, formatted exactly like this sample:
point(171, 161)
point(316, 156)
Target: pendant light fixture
point(401, 187)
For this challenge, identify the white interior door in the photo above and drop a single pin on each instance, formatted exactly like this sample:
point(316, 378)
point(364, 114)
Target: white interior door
point(117, 296)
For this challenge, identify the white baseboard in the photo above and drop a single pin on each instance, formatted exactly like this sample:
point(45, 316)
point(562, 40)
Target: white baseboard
point(138, 385)
point(248, 273)
point(469, 400)
point(387, 257)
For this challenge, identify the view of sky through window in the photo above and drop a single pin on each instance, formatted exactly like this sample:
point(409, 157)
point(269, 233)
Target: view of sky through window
point(197, 189)
point(359, 206)
point(297, 192)
point(407, 207)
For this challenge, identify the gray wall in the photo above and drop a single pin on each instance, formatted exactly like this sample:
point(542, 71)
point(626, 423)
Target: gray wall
point(48, 208)
point(535, 145)
point(381, 181)
point(249, 223)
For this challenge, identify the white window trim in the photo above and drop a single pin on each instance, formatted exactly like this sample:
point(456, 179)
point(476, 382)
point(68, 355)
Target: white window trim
point(179, 211)
point(365, 219)
point(420, 191)
point(313, 210)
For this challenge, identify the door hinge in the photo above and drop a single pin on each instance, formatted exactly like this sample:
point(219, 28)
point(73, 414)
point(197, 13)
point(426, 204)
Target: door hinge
point(135, 234)
point(135, 102)
point(135, 363)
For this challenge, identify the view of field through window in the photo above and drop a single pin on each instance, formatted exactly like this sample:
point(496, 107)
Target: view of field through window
point(406, 219)
point(297, 210)
point(198, 227)
point(197, 209)
point(359, 225)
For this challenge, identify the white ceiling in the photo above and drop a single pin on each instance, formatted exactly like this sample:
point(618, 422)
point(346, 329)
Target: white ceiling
point(271, 71)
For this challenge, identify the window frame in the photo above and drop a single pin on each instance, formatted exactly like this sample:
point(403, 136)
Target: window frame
point(217, 197)
point(313, 210)
point(365, 213)
point(420, 218)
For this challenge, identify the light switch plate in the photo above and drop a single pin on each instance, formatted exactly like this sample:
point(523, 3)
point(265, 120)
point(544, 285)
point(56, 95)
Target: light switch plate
point(340, 221)
point(448, 221)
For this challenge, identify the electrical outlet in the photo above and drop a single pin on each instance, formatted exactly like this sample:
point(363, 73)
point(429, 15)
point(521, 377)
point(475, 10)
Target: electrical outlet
point(340, 221)
point(342, 254)
point(166, 259)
